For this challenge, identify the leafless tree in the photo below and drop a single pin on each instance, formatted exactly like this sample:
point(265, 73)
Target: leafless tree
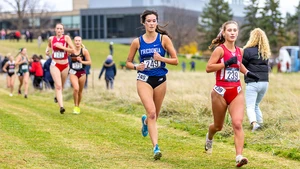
point(20, 7)
point(27, 9)
point(182, 25)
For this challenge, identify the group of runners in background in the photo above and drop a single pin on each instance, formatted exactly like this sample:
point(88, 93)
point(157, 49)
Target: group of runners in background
point(62, 48)
point(226, 60)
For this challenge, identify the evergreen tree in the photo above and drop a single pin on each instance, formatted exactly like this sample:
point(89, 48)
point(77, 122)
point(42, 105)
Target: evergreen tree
point(214, 14)
point(292, 27)
point(251, 20)
point(272, 23)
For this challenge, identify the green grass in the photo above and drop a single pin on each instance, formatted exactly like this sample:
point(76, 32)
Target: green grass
point(34, 135)
point(98, 51)
point(107, 134)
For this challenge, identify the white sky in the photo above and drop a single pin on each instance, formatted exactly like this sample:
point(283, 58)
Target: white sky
point(66, 5)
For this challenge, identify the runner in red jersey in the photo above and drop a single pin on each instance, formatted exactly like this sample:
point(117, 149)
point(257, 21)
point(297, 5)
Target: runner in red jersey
point(61, 45)
point(226, 61)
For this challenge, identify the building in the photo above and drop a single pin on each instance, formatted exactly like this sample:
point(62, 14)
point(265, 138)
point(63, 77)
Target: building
point(122, 24)
point(39, 21)
point(117, 20)
point(120, 20)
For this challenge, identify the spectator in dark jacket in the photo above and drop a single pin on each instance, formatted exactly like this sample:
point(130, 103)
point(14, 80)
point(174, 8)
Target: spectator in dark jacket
point(255, 59)
point(110, 72)
point(47, 75)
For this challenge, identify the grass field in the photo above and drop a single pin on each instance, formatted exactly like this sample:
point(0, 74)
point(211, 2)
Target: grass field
point(98, 51)
point(107, 132)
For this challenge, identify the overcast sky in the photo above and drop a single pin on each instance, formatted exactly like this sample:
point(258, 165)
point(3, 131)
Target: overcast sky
point(66, 5)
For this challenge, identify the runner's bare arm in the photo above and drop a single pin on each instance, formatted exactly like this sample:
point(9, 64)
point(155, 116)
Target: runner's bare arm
point(212, 65)
point(132, 51)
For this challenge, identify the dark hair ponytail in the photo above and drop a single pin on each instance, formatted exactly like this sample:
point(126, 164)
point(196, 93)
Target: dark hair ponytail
point(159, 29)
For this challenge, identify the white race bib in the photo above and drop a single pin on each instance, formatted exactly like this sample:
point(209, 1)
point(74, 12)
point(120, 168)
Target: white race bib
point(58, 55)
point(24, 67)
point(151, 63)
point(232, 74)
point(11, 70)
point(220, 90)
point(71, 71)
point(142, 77)
point(77, 65)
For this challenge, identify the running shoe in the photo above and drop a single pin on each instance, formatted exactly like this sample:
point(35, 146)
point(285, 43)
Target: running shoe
point(11, 95)
point(25, 96)
point(19, 92)
point(240, 161)
point(157, 153)
point(144, 126)
point(256, 126)
point(76, 110)
point(62, 110)
point(55, 100)
point(208, 145)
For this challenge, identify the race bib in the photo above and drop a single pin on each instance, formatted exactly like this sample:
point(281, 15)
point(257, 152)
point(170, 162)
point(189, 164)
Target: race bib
point(58, 55)
point(24, 67)
point(151, 63)
point(71, 71)
point(232, 74)
point(77, 65)
point(220, 90)
point(11, 70)
point(142, 77)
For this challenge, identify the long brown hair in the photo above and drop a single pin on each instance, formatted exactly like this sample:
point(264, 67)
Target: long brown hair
point(159, 28)
point(220, 39)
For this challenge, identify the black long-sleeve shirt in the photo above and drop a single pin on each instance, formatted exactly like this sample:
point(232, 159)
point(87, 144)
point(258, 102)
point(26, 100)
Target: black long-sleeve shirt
point(255, 64)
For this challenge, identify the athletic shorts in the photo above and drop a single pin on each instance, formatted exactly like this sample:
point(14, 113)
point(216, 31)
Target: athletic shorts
point(228, 93)
point(153, 81)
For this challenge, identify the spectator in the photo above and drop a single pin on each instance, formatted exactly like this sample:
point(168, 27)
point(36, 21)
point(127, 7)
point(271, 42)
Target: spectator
point(110, 72)
point(47, 75)
point(193, 64)
point(17, 35)
point(183, 66)
point(111, 48)
point(37, 70)
point(3, 34)
point(87, 72)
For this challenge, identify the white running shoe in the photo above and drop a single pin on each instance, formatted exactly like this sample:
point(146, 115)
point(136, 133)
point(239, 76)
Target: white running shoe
point(255, 127)
point(240, 161)
point(208, 145)
point(11, 95)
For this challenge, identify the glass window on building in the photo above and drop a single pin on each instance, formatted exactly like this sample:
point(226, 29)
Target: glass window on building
point(83, 22)
point(76, 22)
point(34, 22)
point(67, 21)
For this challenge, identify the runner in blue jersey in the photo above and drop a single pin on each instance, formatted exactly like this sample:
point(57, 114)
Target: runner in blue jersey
point(151, 75)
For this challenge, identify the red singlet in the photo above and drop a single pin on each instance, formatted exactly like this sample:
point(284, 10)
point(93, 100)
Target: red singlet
point(57, 53)
point(229, 76)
